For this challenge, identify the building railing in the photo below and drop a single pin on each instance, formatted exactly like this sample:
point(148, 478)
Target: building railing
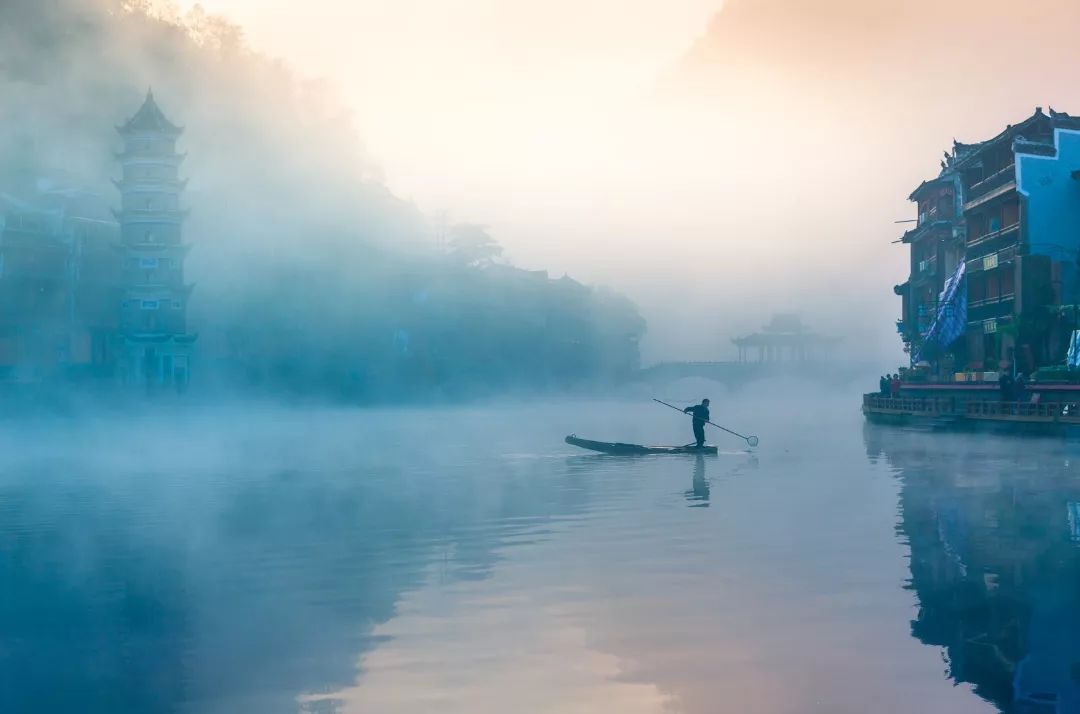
point(1000, 257)
point(992, 300)
point(972, 408)
point(991, 182)
point(993, 235)
point(923, 406)
point(926, 267)
point(1031, 410)
point(926, 228)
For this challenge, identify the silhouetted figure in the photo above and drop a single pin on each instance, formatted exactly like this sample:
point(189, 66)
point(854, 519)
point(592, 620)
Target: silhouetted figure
point(1007, 387)
point(883, 386)
point(894, 386)
point(1019, 388)
point(701, 415)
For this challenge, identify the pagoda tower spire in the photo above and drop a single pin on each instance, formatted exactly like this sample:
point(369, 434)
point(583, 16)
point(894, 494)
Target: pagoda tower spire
point(155, 343)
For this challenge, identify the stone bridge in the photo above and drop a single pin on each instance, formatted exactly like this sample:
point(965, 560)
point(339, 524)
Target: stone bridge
point(736, 374)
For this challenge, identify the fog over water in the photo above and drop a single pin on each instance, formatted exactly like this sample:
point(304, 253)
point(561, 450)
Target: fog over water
point(464, 559)
point(431, 240)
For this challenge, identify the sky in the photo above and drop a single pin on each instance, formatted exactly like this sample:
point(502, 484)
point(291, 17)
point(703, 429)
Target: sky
point(716, 164)
point(457, 96)
point(521, 116)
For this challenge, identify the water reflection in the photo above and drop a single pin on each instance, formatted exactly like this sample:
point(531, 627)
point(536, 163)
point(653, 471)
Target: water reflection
point(698, 495)
point(993, 531)
point(328, 562)
point(238, 583)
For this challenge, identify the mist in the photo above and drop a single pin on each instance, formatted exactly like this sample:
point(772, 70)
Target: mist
point(717, 162)
point(429, 241)
point(311, 276)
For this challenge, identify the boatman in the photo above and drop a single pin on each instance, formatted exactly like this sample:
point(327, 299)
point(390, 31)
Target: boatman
point(701, 415)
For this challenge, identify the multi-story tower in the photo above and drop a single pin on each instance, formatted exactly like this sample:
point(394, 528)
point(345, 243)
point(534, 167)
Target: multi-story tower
point(155, 346)
point(937, 246)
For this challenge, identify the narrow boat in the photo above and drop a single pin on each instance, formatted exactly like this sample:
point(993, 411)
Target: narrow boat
point(607, 447)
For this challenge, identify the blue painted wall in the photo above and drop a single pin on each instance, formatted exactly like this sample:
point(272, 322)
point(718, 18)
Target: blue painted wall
point(1053, 206)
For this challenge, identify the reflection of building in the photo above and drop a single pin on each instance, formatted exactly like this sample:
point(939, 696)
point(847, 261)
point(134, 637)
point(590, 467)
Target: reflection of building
point(993, 563)
point(784, 339)
point(155, 344)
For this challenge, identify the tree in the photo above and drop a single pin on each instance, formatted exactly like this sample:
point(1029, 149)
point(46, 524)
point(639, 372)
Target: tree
point(471, 244)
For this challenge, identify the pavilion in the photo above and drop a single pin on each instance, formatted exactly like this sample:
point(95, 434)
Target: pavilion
point(784, 339)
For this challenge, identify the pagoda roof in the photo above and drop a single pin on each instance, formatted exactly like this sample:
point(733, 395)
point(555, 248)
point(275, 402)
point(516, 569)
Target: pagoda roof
point(150, 119)
point(966, 154)
point(944, 178)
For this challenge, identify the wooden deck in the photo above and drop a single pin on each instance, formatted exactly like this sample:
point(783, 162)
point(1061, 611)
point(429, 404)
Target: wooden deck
point(950, 412)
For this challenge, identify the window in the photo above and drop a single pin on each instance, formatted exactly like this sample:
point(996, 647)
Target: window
point(148, 263)
point(1010, 214)
point(977, 287)
point(150, 305)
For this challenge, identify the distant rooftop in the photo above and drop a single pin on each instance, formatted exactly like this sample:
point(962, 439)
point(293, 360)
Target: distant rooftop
point(785, 322)
point(150, 118)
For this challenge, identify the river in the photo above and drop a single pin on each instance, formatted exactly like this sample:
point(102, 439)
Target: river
point(262, 559)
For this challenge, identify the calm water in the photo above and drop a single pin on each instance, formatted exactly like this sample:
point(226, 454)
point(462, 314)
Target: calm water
point(256, 560)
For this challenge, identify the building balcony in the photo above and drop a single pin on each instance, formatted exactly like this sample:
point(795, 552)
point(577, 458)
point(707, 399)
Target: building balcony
point(924, 270)
point(991, 187)
point(1010, 232)
point(150, 184)
point(927, 228)
point(992, 260)
point(151, 215)
point(150, 158)
point(990, 308)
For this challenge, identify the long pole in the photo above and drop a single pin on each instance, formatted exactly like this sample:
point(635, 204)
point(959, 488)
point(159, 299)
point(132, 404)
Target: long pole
point(751, 440)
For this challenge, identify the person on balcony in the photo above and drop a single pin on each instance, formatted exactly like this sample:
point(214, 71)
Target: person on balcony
point(1007, 387)
point(1020, 388)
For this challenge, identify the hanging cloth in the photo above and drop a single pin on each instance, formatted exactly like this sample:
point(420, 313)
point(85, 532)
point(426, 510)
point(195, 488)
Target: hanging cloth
point(950, 322)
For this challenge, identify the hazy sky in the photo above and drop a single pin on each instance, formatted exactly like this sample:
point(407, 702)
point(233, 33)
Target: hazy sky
point(525, 116)
point(457, 96)
point(715, 163)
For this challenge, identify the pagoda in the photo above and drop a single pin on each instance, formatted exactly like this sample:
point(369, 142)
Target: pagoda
point(154, 344)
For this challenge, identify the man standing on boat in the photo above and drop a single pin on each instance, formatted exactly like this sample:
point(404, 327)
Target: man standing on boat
point(701, 415)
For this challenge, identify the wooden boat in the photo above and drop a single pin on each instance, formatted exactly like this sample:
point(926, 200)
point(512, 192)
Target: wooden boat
point(606, 447)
